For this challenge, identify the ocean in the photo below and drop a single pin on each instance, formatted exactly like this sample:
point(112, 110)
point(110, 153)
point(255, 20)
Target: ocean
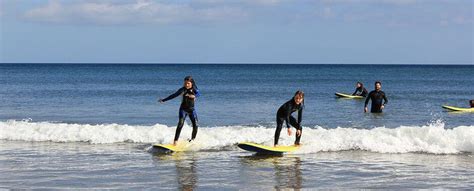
point(93, 126)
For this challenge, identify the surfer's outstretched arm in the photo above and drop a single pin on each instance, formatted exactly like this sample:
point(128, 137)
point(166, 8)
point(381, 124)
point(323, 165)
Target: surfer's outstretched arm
point(172, 96)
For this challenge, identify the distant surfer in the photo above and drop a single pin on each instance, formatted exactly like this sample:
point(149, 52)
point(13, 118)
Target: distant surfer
point(360, 90)
point(284, 115)
point(377, 96)
point(189, 91)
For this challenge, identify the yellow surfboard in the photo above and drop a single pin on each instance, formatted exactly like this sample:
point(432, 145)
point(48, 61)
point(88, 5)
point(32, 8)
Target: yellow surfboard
point(179, 147)
point(459, 109)
point(263, 149)
point(342, 95)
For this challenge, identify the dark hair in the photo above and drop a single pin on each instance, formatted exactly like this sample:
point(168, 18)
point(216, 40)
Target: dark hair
point(378, 82)
point(300, 93)
point(190, 79)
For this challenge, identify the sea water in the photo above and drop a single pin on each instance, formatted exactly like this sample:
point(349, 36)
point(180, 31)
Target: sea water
point(92, 126)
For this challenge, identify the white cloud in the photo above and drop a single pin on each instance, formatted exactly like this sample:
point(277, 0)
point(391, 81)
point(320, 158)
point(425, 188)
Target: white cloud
point(327, 13)
point(247, 2)
point(140, 11)
point(395, 12)
point(265, 2)
point(395, 2)
point(389, 12)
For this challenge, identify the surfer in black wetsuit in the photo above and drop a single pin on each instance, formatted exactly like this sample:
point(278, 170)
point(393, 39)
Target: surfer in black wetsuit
point(190, 92)
point(284, 115)
point(376, 96)
point(360, 88)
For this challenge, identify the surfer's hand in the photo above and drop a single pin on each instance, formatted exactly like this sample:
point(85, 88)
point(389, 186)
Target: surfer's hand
point(381, 107)
point(289, 131)
point(161, 100)
point(298, 132)
point(365, 109)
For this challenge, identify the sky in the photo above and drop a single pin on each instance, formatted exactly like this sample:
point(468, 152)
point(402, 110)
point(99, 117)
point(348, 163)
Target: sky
point(237, 31)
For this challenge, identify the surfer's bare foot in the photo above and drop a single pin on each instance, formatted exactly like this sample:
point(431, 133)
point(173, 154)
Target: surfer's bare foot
point(174, 143)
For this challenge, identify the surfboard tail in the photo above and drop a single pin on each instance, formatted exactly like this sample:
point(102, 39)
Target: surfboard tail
point(254, 147)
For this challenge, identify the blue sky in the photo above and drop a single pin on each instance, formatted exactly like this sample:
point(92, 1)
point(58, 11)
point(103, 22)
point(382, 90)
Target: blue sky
point(237, 31)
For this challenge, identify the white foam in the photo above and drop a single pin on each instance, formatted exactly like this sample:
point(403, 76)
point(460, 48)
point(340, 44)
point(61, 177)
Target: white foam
point(432, 138)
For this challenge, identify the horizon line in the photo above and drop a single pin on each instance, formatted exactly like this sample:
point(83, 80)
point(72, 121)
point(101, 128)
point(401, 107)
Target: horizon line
point(227, 63)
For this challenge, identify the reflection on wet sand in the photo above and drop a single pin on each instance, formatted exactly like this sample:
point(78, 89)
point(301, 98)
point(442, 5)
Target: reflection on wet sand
point(186, 169)
point(286, 170)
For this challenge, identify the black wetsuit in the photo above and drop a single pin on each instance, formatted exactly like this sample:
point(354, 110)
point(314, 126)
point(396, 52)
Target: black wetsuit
point(186, 108)
point(362, 90)
point(376, 97)
point(284, 114)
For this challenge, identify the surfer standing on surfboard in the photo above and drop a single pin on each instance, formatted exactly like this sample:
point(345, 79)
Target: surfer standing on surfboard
point(284, 114)
point(189, 92)
point(360, 88)
point(377, 96)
